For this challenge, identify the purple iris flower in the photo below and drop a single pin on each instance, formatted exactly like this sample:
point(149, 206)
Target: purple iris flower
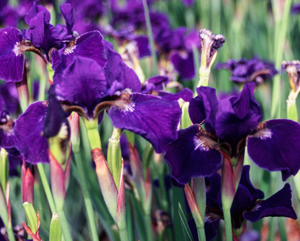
point(253, 70)
point(247, 204)
point(42, 36)
point(230, 124)
point(89, 88)
point(295, 8)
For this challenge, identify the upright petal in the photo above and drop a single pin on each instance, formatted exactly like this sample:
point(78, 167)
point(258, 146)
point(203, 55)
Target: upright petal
point(116, 69)
point(68, 14)
point(275, 146)
point(149, 116)
point(193, 154)
point(82, 83)
point(204, 107)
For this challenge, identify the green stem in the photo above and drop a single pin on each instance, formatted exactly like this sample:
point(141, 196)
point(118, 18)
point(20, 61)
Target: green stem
point(123, 234)
point(281, 28)
point(86, 196)
point(46, 187)
point(10, 233)
point(149, 230)
point(64, 225)
point(62, 218)
point(201, 234)
point(228, 227)
point(150, 36)
point(196, 66)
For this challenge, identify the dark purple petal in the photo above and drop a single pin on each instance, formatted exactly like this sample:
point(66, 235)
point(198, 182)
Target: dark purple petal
point(242, 201)
point(184, 64)
point(143, 46)
point(278, 205)
point(149, 116)
point(245, 181)
point(68, 14)
point(212, 195)
point(88, 45)
point(231, 129)
point(245, 103)
point(11, 55)
point(62, 32)
point(82, 83)
point(29, 130)
point(117, 70)
point(186, 94)
point(204, 107)
point(275, 146)
point(34, 10)
point(42, 34)
point(193, 154)
point(55, 115)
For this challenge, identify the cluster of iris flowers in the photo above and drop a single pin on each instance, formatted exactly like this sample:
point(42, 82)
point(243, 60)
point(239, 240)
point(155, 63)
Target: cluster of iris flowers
point(104, 86)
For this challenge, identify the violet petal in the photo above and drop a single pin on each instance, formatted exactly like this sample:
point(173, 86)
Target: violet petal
point(275, 146)
point(278, 205)
point(28, 128)
point(192, 155)
point(149, 116)
point(11, 56)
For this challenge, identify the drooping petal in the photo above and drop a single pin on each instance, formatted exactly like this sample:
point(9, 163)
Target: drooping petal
point(11, 55)
point(55, 115)
point(116, 69)
point(278, 205)
point(28, 128)
point(193, 154)
point(82, 83)
point(149, 116)
point(275, 146)
point(87, 45)
point(204, 107)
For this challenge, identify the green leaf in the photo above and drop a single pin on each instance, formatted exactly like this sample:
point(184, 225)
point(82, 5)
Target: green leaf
point(184, 223)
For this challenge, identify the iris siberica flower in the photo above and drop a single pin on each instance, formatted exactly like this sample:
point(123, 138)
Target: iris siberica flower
point(90, 87)
point(229, 125)
point(247, 204)
point(41, 34)
point(244, 71)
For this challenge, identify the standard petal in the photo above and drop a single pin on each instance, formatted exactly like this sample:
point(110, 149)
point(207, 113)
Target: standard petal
point(11, 55)
point(29, 130)
point(149, 116)
point(116, 69)
point(42, 34)
point(278, 205)
point(193, 154)
point(186, 94)
point(245, 102)
point(68, 14)
point(275, 146)
point(82, 83)
point(204, 107)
